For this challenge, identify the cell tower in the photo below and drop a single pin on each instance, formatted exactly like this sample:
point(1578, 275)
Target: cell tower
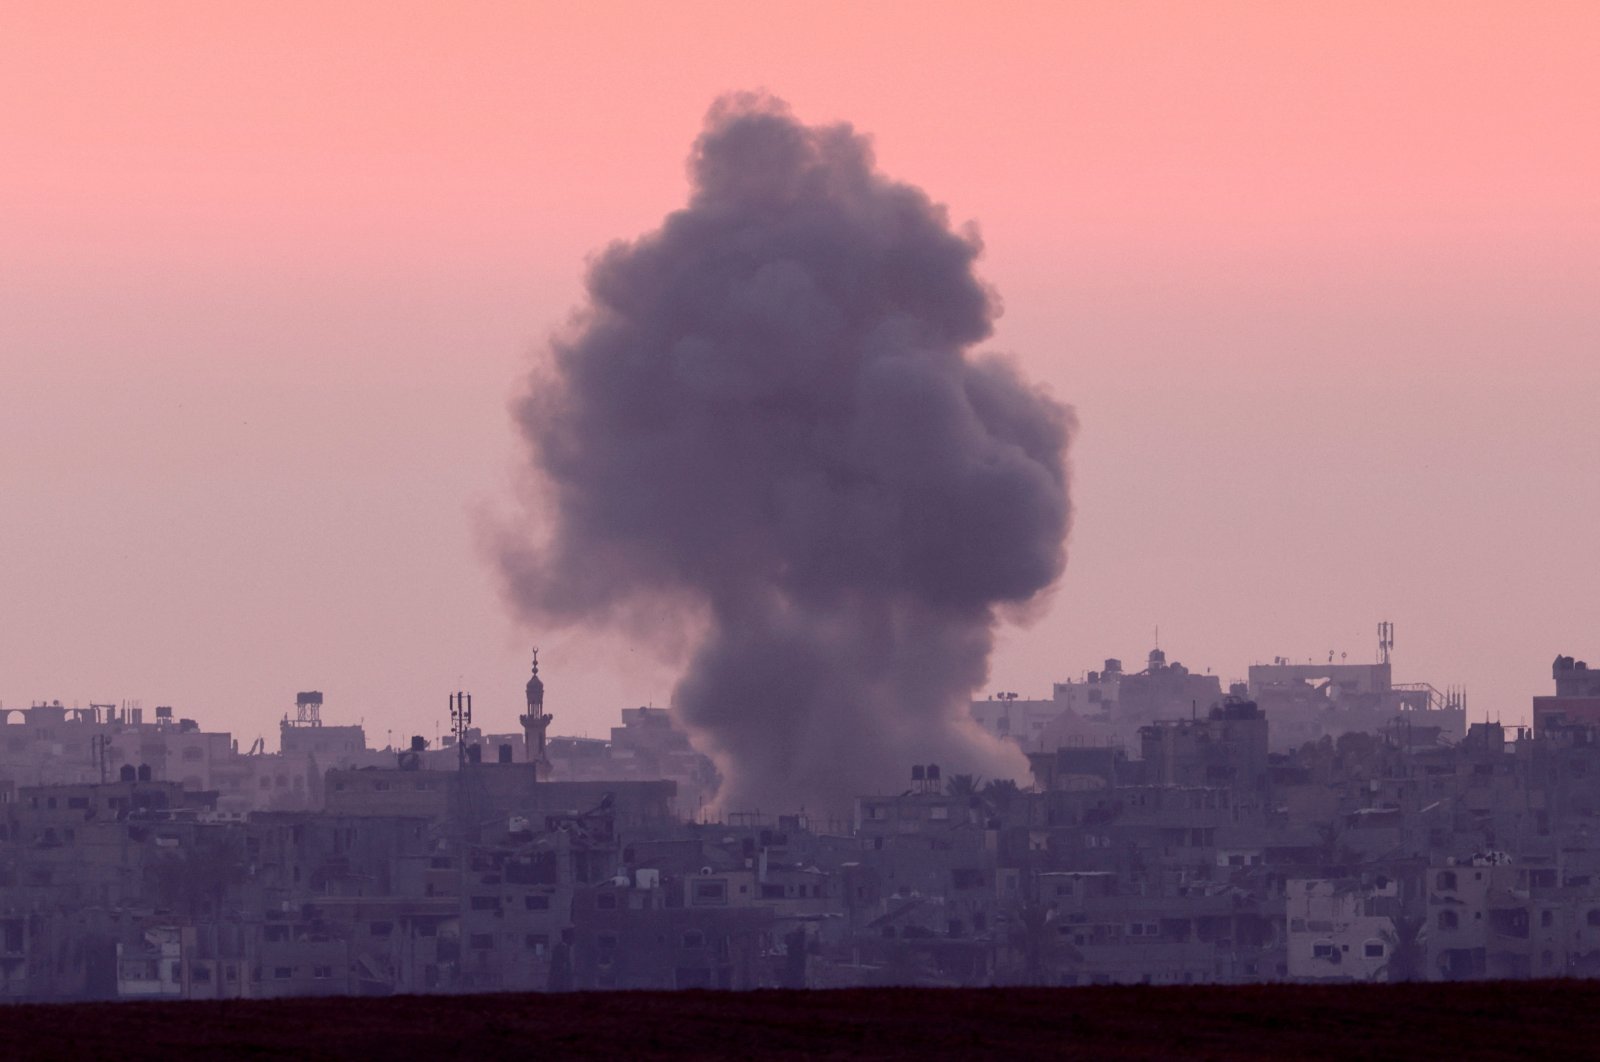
point(460, 721)
point(1385, 641)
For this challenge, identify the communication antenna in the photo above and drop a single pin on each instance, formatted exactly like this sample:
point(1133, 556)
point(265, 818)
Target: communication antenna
point(460, 720)
point(1385, 641)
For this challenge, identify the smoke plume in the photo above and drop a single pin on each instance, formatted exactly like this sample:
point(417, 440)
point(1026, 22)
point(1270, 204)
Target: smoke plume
point(766, 427)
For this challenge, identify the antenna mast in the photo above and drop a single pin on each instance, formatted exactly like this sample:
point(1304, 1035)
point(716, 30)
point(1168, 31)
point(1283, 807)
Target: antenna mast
point(460, 720)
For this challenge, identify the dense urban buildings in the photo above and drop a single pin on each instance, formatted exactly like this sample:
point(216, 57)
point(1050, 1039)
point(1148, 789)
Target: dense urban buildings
point(1169, 833)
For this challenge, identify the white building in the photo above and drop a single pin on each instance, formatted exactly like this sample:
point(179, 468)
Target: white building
point(1339, 931)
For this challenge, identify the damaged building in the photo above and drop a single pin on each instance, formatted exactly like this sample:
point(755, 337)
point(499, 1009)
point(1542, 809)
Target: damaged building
point(1202, 852)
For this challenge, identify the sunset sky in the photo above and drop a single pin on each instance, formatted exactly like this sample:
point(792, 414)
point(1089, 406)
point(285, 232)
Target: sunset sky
point(1322, 282)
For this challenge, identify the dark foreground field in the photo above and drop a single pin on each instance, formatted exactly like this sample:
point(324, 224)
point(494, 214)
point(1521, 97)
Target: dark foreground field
point(1493, 1020)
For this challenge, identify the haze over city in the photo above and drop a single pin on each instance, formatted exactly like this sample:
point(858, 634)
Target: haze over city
point(1320, 286)
point(830, 530)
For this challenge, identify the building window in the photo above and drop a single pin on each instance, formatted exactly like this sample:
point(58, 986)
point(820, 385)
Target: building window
point(1448, 920)
point(486, 903)
point(1373, 949)
point(282, 973)
point(322, 973)
point(1446, 881)
point(694, 939)
point(535, 902)
point(482, 941)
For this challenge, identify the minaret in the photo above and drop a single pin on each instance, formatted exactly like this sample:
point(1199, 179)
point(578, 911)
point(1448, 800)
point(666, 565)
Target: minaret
point(535, 723)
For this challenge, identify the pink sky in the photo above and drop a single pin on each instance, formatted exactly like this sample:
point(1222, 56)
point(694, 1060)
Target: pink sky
point(1324, 286)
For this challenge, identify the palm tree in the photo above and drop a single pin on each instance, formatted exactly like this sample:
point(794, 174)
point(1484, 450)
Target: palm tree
point(1000, 794)
point(1035, 935)
point(197, 879)
point(963, 785)
point(1332, 852)
point(994, 799)
point(1406, 950)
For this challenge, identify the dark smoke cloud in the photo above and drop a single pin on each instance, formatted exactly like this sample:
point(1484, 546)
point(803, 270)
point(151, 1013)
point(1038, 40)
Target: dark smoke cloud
point(767, 418)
